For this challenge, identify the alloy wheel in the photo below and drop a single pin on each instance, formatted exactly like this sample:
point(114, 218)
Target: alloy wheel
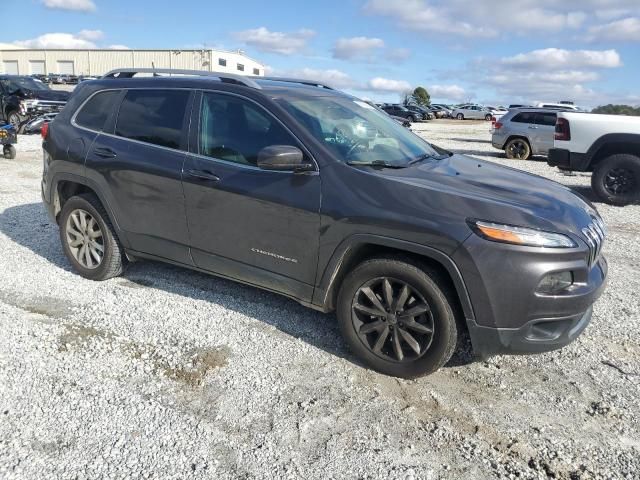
point(518, 149)
point(14, 121)
point(392, 319)
point(85, 239)
point(619, 181)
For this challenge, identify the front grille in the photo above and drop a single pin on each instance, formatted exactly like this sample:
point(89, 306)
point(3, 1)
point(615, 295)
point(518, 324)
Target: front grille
point(594, 235)
point(47, 106)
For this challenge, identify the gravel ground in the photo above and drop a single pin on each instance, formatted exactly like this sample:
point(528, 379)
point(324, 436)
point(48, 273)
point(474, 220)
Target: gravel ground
point(167, 373)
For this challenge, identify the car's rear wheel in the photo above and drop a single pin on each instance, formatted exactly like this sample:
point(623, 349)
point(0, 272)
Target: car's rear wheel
point(460, 116)
point(89, 239)
point(518, 149)
point(616, 179)
point(9, 152)
point(397, 317)
point(411, 118)
point(488, 117)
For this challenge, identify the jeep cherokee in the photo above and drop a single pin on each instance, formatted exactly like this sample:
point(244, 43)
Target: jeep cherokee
point(291, 186)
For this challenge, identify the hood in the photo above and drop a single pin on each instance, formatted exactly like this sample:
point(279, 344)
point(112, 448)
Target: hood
point(54, 95)
point(487, 191)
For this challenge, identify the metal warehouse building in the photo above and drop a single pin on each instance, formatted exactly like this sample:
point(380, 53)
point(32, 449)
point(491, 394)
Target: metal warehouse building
point(99, 62)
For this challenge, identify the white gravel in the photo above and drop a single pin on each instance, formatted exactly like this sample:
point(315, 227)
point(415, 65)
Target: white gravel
point(167, 373)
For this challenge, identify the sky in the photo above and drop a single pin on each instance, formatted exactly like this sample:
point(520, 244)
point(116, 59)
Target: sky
point(485, 51)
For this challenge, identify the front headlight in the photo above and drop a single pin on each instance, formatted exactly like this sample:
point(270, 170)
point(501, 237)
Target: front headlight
point(520, 235)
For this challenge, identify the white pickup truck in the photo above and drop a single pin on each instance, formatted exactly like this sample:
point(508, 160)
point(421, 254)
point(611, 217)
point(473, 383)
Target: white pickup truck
point(608, 146)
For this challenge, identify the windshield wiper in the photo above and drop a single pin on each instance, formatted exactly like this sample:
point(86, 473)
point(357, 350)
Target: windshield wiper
point(375, 163)
point(425, 156)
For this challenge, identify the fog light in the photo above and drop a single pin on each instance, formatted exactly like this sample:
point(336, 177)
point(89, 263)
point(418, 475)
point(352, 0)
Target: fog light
point(555, 282)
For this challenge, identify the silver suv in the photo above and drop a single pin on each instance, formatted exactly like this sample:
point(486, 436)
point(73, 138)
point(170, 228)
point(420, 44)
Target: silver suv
point(524, 132)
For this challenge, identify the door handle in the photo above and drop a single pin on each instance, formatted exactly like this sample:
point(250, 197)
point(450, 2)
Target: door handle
point(105, 153)
point(533, 127)
point(203, 175)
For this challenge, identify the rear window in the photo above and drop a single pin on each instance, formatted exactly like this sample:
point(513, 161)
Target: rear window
point(95, 112)
point(524, 117)
point(153, 116)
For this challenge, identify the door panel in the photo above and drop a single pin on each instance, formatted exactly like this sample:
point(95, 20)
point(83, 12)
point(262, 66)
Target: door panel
point(255, 225)
point(545, 133)
point(143, 181)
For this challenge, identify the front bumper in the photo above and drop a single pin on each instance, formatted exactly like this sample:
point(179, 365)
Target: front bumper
point(510, 315)
point(536, 336)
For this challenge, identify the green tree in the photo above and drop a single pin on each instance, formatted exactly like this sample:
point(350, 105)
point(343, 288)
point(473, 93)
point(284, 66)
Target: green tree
point(421, 96)
point(617, 110)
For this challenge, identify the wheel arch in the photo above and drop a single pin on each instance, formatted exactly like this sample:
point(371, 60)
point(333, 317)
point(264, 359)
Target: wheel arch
point(613, 144)
point(65, 186)
point(360, 247)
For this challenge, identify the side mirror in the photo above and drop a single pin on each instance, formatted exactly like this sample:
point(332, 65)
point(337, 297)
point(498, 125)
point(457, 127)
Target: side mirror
point(283, 158)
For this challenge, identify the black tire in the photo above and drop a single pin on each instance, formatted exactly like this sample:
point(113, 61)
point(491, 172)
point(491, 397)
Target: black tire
point(616, 179)
point(425, 283)
point(9, 152)
point(411, 118)
point(518, 149)
point(460, 116)
point(488, 117)
point(15, 119)
point(113, 260)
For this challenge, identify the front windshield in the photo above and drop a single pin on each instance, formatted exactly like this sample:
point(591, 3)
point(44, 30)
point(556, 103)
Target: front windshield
point(24, 83)
point(358, 133)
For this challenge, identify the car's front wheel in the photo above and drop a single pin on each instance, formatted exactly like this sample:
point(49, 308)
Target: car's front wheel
point(616, 179)
point(15, 120)
point(460, 116)
point(397, 316)
point(89, 239)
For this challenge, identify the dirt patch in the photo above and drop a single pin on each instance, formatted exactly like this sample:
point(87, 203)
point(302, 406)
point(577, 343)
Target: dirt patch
point(79, 335)
point(201, 363)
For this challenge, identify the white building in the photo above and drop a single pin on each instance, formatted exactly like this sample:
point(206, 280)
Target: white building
point(23, 61)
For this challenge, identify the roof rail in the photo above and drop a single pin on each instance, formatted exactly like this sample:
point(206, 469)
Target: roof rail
point(224, 77)
point(301, 81)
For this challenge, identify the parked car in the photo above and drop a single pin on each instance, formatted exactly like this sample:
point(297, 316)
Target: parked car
point(402, 121)
point(559, 106)
point(440, 112)
point(608, 146)
point(309, 192)
point(23, 98)
point(422, 112)
point(400, 111)
point(522, 133)
point(476, 112)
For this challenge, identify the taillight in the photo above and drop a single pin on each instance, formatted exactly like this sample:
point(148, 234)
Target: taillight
point(563, 131)
point(497, 126)
point(44, 131)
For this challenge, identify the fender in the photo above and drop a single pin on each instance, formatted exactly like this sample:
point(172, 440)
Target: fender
point(64, 176)
point(322, 292)
point(608, 139)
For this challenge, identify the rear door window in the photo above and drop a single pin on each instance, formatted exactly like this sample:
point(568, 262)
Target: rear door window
point(153, 116)
point(547, 119)
point(96, 111)
point(524, 117)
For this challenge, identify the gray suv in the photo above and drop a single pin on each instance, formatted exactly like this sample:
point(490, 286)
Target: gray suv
point(522, 133)
point(296, 188)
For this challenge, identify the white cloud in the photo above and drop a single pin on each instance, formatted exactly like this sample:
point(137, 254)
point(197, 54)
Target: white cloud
point(91, 35)
point(275, 42)
point(380, 84)
point(333, 78)
point(553, 58)
point(75, 5)
point(56, 40)
point(448, 92)
point(625, 30)
point(489, 19)
point(118, 47)
point(356, 47)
